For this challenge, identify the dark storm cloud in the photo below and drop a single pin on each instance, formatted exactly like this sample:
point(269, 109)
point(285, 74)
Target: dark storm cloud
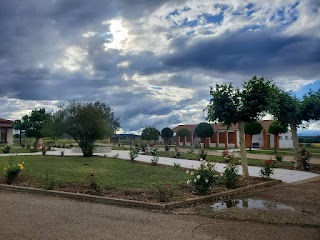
point(248, 52)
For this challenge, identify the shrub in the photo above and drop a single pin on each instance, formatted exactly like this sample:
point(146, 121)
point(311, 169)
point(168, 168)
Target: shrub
point(154, 153)
point(202, 154)
point(176, 165)
point(267, 169)
point(176, 153)
point(203, 178)
point(167, 148)
point(165, 193)
point(191, 150)
point(12, 171)
point(6, 149)
point(279, 158)
point(44, 150)
point(62, 153)
point(143, 146)
point(133, 153)
point(48, 182)
point(230, 176)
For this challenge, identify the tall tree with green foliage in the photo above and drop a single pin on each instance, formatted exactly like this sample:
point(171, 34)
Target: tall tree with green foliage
point(150, 134)
point(291, 110)
point(252, 128)
point(87, 122)
point(53, 126)
point(20, 126)
point(166, 133)
point(34, 124)
point(204, 130)
point(276, 128)
point(231, 105)
point(183, 133)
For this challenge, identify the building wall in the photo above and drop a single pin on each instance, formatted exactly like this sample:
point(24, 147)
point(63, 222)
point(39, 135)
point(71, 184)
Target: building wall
point(285, 140)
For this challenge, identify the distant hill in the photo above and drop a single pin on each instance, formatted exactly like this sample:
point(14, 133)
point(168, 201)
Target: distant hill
point(309, 133)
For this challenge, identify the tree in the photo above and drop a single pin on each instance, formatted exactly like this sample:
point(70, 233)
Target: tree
point(19, 126)
point(252, 128)
point(277, 128)
point(166, 133)
point(183, 132)
point(52, 126)
point(150, 133)
point(233, 105)
point(290, 110)
point(204, 130)
point(87, 122)
point(34, 124)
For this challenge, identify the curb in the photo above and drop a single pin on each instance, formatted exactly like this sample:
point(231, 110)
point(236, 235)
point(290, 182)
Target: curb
point(133, 203)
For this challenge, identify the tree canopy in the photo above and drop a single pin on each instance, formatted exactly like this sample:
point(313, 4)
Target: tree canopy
point(183, 132)
point(277, 128)
point(166, 133)
point(252, 128)
point(204, 130)
point(87, 122)
point(231, 105)
point(20, 126)
point(150, 133)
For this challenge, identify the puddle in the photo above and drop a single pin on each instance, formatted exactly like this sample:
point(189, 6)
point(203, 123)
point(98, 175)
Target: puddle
point(250, 204)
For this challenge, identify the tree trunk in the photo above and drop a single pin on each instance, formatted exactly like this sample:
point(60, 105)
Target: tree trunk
point(250, 142)
point(243, 152)
point(296, 148)
point(35, 145)
point(276, 143)
point(20, 137)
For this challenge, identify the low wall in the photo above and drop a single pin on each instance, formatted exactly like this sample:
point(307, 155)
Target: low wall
point(98, 149)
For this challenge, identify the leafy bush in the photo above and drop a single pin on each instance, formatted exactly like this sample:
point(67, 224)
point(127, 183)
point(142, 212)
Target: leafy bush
point(12, 171)
point(176, 165)
point(305, 158)
point(176, 153)
point(165, 193)
point(202, 154)
point(133, 153)
point(267, 169)
point(191, 150)
point(230, 176)
point(167, 148)
point(49, 183)
point(6, 149)
point(143, 146)
point(279, 158)
point(154, 153)
point(203, 178)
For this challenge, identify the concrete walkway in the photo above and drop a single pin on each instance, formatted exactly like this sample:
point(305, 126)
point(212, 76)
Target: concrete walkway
point(285, 175)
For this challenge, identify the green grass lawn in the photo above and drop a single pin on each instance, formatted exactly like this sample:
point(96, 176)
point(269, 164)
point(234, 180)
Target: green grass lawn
point(16, 150)
point(110, 172)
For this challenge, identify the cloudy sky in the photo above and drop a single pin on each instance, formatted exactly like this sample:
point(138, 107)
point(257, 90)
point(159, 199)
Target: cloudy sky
point(152, 61)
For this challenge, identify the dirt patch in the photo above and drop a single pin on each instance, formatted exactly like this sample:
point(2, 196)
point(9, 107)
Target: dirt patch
point(178, 193)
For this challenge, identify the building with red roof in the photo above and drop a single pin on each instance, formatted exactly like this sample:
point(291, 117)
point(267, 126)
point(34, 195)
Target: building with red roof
point(229, 137)
point(6, 131)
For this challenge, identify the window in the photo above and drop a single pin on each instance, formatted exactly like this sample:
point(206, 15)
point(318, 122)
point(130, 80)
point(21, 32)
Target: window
point(287, 138)
point(280, 137)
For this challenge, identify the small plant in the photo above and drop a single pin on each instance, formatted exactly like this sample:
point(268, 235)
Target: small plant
point(133, 153)
point(116, 156)
point(95, 189)
point(191, 150)
point(143, 146)
point(305, 158)
point(48, 182)
point(62, 153)
point(12, 171)
point(279, 157)
point(267, 169)
point(203, 178)
point(230, 175)
point(154, 153)
point(6, 149)
point(202, 154)
point(176, 153)
point(44, 150)
point(167, 148)
point(165, 193)
point(176, 165)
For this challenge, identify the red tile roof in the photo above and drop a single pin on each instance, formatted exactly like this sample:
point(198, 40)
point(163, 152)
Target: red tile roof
point(5, 123)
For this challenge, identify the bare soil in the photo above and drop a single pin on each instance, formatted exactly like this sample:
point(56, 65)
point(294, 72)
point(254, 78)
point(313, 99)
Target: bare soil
point(177, 193)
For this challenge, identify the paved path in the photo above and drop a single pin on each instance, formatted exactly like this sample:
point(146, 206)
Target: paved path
point(285, 175)
point(34, 217)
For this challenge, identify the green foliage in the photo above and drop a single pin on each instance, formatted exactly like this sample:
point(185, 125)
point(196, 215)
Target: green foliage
point(143, 146)
point(183, 132)
point(6, 149)
point(279, 158)
point(277, 128)
point(252, 128)
point(267, 169)
point(19, 126)
point(305, 158)
point(176, 165)
point(150, 133)
point(310, 109)
point(202, 154)
point(12, 171)
point(165, 193)
point(133, 153)
point(176, 153)
point(230, 176)
point(53, 126)
point(49, 183)
point(204, 130)
point(88, 122)
point(166, 133)
point(154, 153)
point(203, 178)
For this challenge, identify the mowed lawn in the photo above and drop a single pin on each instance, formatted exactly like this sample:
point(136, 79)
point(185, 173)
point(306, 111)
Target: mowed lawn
point(109, 172)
